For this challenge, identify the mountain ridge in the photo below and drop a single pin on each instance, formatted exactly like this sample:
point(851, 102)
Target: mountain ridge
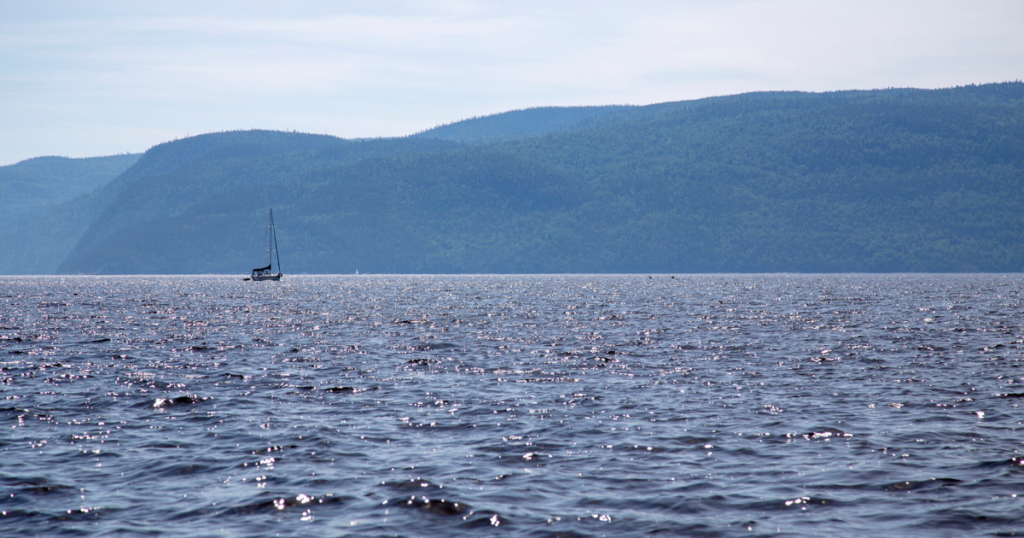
point(872, 181)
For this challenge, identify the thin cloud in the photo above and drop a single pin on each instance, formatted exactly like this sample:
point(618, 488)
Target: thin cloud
point(87, 79)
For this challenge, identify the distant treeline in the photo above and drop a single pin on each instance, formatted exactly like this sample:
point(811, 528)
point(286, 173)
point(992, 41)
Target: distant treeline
point(874, 181)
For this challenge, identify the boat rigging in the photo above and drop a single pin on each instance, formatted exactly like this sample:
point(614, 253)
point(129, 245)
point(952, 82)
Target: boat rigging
point(267, 273)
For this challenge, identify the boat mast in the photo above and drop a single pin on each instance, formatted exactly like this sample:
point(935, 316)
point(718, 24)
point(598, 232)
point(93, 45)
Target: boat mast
point(273, 237)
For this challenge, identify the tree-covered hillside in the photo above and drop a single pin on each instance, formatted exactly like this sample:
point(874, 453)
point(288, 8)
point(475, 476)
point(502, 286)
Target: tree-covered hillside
point(425, 212)
point(171, 177)
point(518, 124)
point(891, 180)
point(33, 185)
point(899, 180)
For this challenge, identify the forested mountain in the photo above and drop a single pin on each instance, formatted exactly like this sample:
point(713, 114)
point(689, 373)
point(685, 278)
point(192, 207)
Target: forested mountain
point(899, 180)
point(517, 124)
point(33, 185)
point(162, 214)
point(169, 179)
point(889, 180)
point(422, 212)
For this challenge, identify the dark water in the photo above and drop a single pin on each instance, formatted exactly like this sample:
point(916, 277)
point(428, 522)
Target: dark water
point(519, 406)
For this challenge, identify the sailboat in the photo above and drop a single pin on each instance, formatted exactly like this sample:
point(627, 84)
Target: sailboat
point(267, 273)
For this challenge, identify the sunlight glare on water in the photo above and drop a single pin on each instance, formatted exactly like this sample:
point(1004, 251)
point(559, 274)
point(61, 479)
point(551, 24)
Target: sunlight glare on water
point(581, 405)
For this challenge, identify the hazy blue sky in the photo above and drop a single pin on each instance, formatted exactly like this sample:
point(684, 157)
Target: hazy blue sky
point(97, 78)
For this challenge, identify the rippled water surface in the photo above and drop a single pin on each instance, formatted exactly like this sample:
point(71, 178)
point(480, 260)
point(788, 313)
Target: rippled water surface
point(717, 405)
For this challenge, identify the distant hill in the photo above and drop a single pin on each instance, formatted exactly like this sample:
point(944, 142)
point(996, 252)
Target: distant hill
point(517, 124)
point(423, 212)
point(172, 177)
point(885, 180)
point(891, 180)
point(157, 222)
point(32, 185)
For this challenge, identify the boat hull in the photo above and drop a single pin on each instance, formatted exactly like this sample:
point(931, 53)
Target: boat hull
point(268, 277)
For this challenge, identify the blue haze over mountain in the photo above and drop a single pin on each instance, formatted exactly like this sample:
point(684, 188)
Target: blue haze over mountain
point(34, 185)
point(885, 180)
